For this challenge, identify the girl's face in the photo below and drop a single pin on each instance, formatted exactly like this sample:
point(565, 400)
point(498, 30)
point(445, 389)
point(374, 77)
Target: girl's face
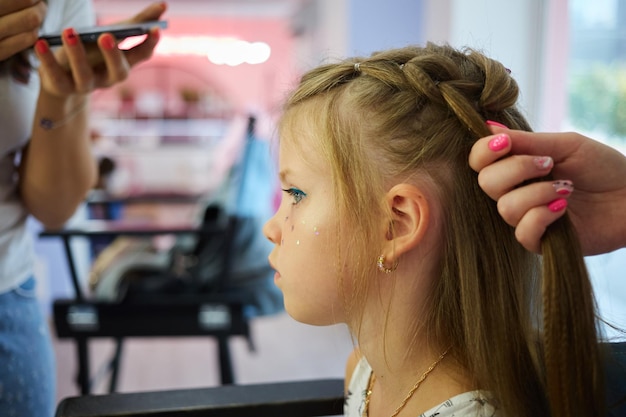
point(304, 232)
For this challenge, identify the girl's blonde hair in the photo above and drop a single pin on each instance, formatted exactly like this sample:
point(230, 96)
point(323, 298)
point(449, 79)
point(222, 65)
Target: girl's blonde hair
point(527, 337)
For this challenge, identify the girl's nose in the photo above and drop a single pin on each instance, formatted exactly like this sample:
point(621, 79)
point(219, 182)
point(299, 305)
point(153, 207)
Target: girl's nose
point(271, 230)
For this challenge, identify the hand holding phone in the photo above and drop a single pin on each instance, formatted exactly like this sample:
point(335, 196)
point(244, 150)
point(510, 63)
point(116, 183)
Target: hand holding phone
point(80, 67)
point(119, 31)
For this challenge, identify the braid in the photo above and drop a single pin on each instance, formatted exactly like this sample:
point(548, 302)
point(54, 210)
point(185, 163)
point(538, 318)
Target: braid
point(456, 86)
point(463, 109)
point(568, 305)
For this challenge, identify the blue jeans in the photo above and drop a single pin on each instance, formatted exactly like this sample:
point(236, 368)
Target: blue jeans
point(27, 369)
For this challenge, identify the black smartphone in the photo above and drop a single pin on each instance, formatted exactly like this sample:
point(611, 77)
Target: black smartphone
point(119, 31)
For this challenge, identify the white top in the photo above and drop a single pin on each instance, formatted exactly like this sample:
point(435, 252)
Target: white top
point(17, 102)
point(468, 404)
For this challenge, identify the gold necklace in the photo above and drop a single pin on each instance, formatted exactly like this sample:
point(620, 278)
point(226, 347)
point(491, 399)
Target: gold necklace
point(370, 384)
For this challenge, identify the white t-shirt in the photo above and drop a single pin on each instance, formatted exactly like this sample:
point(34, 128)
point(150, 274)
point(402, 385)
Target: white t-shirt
point(17, 104)
point(468, 404)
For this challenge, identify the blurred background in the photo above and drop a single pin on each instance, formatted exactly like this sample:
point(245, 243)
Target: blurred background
point(177, 125)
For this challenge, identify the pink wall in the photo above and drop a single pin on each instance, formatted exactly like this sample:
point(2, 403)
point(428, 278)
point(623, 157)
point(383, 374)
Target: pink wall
point(247, 87)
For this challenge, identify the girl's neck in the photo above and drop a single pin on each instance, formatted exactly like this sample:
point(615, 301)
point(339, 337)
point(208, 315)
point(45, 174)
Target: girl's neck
point(399, 356)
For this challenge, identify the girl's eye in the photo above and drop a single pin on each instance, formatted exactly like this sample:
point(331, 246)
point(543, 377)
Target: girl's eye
point(296, 194)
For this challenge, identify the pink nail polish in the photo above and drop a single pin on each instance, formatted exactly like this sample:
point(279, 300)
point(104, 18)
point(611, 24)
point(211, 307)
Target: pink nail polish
point(499, 142)
point(494, 123)
point(543, 162)
point(558, 205)
point(563, 187)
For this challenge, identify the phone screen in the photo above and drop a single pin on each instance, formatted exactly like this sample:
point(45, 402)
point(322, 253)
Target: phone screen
point(119, 31)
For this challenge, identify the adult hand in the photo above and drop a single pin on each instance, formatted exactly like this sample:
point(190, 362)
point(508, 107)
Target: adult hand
point(597, 207)
point(75, 69)
point(20, 21)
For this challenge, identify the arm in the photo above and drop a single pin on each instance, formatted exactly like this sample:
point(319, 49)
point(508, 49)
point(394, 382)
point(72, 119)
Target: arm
point(57, 169)
point(597, 206)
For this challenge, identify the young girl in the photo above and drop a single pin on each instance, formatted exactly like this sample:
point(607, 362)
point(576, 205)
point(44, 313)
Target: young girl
point(383, 226)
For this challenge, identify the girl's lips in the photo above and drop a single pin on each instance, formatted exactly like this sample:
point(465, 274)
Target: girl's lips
point(276, 273)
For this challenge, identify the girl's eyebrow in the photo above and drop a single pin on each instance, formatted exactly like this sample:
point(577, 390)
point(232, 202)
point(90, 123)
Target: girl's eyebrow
point(284, 174)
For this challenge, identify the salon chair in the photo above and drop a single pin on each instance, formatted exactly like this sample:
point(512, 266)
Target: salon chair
point(286, 399)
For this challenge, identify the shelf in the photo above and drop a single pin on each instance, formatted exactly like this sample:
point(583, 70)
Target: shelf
point(167, 130)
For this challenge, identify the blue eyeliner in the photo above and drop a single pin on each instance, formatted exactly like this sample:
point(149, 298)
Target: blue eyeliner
point(296, 194)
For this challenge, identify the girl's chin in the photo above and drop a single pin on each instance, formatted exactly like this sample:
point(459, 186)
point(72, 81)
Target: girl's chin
point(309, 317)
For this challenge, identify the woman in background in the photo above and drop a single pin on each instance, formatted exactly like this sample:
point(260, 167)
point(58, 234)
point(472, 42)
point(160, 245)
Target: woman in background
point(46, 167)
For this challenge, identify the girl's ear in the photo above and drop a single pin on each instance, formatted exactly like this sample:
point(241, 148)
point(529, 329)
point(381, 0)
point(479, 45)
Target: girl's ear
point(410, 216)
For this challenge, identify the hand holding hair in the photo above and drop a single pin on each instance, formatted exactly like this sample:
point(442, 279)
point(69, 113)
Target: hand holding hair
point(588, 181)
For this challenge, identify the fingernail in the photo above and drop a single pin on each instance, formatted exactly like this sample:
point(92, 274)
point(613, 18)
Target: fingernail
point(558, 205)
point(107, 41)
point(41, 46)
point(563, 187)
point(543, 162)
point(155, 32)
point(494, 123)
point(499, 142)
point(70, 36)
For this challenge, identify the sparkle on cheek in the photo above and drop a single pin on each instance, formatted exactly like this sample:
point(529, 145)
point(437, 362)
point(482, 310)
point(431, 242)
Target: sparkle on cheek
point(297, 242)
point(317, 232)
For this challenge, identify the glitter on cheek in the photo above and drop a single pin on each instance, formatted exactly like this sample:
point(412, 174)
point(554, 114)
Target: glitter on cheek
point(297, 242)
point(317, 232)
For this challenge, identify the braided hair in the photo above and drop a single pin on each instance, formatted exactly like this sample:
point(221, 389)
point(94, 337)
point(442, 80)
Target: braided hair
point(523, 326)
